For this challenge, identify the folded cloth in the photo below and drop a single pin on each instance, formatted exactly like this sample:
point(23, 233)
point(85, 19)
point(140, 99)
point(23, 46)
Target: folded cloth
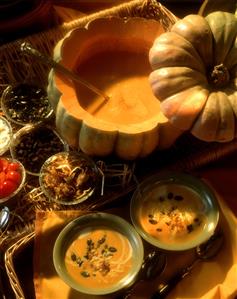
point(212, 279)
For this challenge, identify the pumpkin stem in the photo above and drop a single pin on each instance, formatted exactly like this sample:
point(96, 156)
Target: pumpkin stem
point(219, 76)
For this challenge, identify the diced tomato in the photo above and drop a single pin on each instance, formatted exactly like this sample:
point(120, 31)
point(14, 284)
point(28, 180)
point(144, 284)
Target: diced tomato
point(13, 166)
point(10, 177)
point(3, 164)
point(13, 176)
point(7, 188)
point(2, 177)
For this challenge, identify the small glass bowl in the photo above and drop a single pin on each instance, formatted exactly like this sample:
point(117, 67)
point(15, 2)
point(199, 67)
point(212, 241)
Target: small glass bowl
point(24, 104)
point(32, 145)
point(69, 178)
point(9, 168)
point(5, 135)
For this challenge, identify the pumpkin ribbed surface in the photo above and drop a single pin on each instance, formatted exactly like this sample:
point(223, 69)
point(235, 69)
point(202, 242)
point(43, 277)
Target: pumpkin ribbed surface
point(113, 55)
point(194, 75)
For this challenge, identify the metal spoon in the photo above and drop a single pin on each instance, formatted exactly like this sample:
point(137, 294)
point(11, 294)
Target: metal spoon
point(27, 48)
point(205, 251)
point(152, 266)
point(4, 217)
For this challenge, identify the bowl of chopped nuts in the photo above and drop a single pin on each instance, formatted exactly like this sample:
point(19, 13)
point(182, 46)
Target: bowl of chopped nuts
point(98, 253)
point(24, 103)
point(69, 177)
point(174, 211)
point(33, 144)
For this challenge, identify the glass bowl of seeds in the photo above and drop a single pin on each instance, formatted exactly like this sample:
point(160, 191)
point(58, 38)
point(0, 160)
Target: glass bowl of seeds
point(32, 145)
point(25, 103)
point(174, 210)
point(69, 178)
point(5, 135)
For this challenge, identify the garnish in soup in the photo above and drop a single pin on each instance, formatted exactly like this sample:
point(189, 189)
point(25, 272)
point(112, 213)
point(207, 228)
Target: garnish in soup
point(99, 258)
point(172, 212)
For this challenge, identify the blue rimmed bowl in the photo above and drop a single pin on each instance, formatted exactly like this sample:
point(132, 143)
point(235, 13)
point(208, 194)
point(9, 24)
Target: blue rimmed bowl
point(174, 211)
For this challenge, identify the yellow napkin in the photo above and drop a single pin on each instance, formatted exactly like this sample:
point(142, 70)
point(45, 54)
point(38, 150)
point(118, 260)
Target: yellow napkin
point(213, 279)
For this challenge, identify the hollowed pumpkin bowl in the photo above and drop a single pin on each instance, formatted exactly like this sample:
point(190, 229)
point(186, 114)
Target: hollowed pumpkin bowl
point(112, 54)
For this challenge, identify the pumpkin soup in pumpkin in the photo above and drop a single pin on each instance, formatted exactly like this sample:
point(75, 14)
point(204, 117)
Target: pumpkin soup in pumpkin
point(112, 55)
point(99, 257)
point(123, 76)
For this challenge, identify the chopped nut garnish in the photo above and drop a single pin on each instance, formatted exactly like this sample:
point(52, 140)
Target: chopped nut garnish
point(68, 178)
point(169, 214)
point(98, 256)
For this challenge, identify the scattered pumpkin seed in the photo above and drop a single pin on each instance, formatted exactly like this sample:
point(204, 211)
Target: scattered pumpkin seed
point(178, 197)
point(153, 221)
point(112, 249)
point(85, 274)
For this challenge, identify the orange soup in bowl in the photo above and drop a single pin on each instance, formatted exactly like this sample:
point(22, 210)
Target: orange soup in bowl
point(98, 253)
point(172, 212)
point(99, 258)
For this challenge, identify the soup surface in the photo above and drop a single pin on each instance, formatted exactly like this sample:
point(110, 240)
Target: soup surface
point(172, 212)
point(99, 258)
point(124, 77)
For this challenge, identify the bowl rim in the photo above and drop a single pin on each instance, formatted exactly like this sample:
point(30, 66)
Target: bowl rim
point(20, 123)
point(25, 130)
point(207, 194)
point(82, 198)
point(6, 148)
point(118, 25)
point(112, 221)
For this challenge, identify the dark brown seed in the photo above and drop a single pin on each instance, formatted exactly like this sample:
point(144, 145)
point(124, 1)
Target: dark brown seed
point(152, 221)
point(190, 228)
point(178, 197)
point(73, 257)
point(101, 241)
point(85, 274)
point(112, 249)
point(161, 198)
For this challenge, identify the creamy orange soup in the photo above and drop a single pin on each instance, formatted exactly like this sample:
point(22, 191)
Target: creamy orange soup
point(99, 258)
point(124, 77)
point(172, 212)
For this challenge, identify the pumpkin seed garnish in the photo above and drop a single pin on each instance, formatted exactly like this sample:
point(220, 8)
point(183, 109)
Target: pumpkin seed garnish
point(85, 274)
point(153, 221)
point(178, 197)
point(112, 249)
